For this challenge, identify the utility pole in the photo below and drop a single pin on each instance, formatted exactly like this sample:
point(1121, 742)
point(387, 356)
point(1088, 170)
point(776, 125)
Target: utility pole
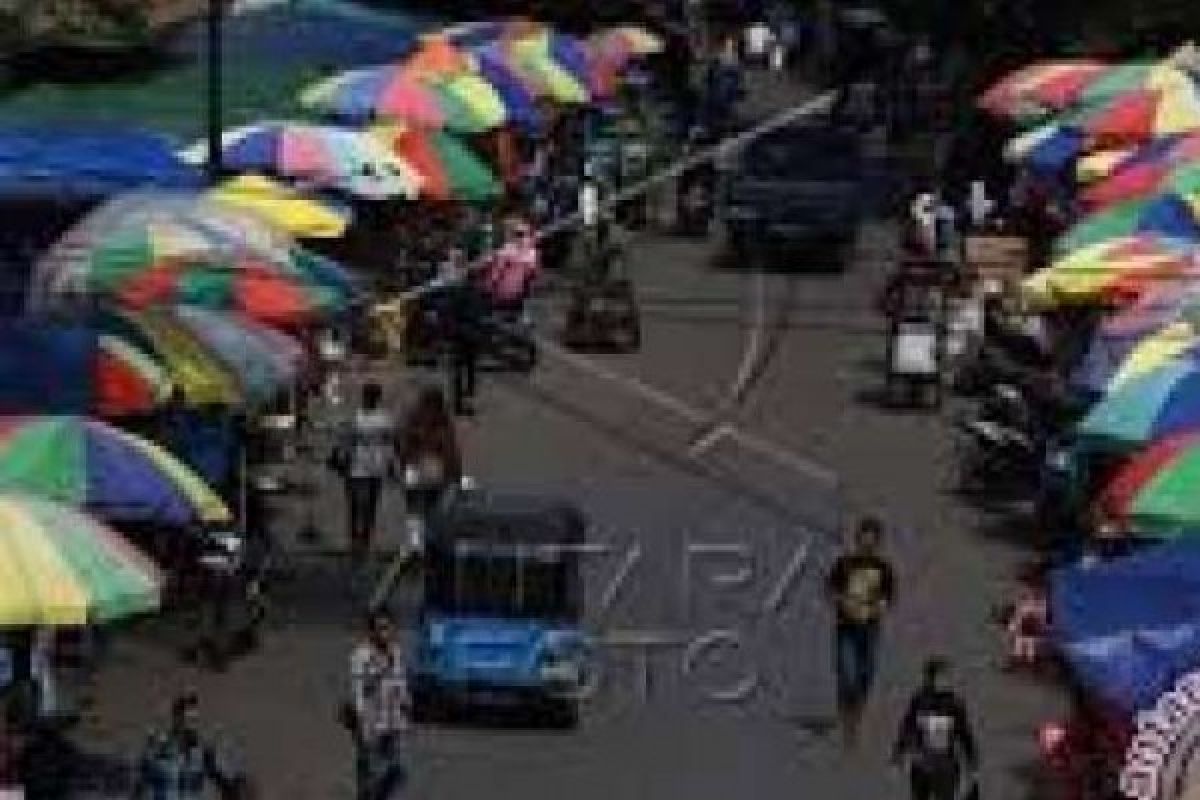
point(216, 36)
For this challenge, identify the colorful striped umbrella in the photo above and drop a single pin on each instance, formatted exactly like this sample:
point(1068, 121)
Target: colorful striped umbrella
point(59, 567)
point(89, 464)
point(297, 214)
point(448, 167)
point(131, 236)
point(1113, 271)
point(1161, 403)
point(322, 156)
point(1158, 491)
point(1168, 216)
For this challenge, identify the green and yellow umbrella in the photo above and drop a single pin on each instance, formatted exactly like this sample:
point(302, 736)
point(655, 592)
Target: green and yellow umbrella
point(60, 567)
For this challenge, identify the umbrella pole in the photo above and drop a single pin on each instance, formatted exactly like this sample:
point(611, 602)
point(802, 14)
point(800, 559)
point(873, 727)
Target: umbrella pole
point(216, 19)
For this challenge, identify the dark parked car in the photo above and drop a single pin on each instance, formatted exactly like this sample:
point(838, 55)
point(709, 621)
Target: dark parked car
point(800, 184)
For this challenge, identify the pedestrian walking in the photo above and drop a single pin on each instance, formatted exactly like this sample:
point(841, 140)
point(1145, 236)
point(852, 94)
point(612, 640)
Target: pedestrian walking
point(431, 460)
point(363, 456)
point(379, 710)
point(180, 764)
point(935, 739)
point(461, 311)
point(862, 589)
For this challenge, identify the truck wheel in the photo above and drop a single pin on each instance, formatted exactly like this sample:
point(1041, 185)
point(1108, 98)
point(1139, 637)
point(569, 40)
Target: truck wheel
point(428, 705)
point(561, 713)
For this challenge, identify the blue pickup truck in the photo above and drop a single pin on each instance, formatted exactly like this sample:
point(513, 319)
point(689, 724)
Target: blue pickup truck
point(500, 617)
point(798, 184)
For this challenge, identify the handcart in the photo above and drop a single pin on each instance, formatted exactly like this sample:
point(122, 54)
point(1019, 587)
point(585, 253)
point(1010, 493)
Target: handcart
point(917, 301)
point(603, 314)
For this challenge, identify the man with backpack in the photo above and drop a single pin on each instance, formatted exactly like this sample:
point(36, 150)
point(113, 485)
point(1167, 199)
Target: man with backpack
point(935, 737)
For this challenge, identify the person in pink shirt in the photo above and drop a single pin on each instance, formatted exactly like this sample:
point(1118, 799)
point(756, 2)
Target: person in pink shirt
point(509, 276)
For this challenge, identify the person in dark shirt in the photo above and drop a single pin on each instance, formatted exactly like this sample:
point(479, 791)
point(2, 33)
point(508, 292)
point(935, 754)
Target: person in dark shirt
point(463, 311)
point(861, 588)
point(935, 737)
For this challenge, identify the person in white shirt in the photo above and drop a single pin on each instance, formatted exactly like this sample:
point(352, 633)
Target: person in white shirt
point(380, 708)
point(364, 457)
point(757, 42)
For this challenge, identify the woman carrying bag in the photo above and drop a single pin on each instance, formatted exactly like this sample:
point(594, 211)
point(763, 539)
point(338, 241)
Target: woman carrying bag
point(430, 460)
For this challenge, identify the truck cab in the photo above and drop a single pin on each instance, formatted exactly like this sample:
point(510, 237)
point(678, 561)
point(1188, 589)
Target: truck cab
point(502, 601)
point(799, 184)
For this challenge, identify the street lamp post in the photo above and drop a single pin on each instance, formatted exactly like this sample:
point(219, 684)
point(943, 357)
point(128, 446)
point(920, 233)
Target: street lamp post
point(216, 22)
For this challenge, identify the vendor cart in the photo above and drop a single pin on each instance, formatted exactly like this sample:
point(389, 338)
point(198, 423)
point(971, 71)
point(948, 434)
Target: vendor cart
point(603, 312)
point(916, 303)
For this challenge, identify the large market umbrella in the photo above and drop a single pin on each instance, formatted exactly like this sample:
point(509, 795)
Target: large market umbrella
point(1128, 626)
point(325, 156)
point(1156, 490)
point(264, 360)
point(1161, 403)
point(296, 213)
point(60, 567)
point(137, 256)
point(141, 232)
point(448, 167)
point(74, 369)
point(1113, 271)
point(86, 463)
point(1041, 87)
point(1168, 216)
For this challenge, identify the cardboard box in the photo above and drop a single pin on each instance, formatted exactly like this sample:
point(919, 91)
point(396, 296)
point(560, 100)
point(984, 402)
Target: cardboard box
point(997, 259)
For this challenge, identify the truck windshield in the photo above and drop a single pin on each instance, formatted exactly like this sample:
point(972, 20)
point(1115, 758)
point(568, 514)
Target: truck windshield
point(824, 155)
point(507, 583)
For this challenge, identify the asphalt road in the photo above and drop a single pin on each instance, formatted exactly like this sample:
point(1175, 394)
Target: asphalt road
point(717, 678)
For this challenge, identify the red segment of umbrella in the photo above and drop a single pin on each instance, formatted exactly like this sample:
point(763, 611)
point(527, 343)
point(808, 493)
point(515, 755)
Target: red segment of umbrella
point(1118, 496)
point(1131, 183)
point(150, 287)
point(119, 388)
point(266, 296)
point(437, 58)
point(1130, 117)
point(418, 151)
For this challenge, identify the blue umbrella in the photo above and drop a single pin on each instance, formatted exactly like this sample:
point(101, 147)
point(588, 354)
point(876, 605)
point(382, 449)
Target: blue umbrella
point(61, 161)
point(572, 55)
